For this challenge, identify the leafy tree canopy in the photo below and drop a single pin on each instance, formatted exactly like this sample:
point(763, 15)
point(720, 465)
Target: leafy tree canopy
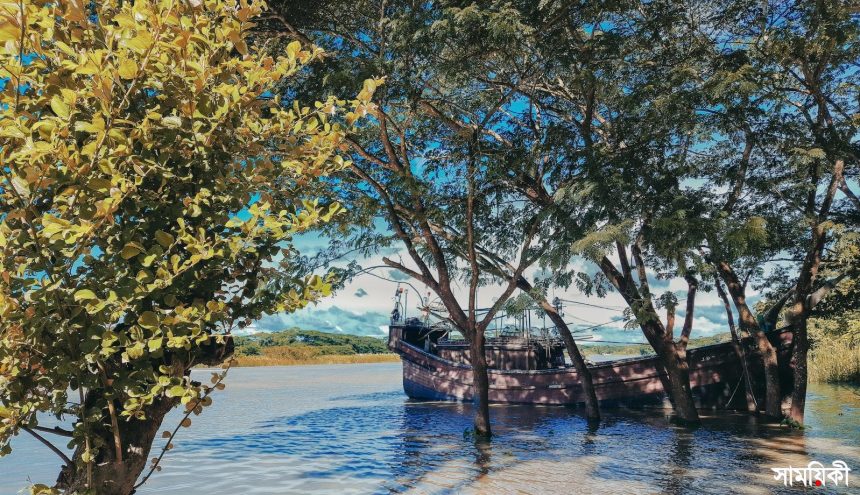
point(151, 183)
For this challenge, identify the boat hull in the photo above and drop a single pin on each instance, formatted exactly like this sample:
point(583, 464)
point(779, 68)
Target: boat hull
point(715, 378)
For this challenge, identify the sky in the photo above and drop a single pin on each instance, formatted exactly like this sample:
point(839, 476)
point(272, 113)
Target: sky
point(363, 306)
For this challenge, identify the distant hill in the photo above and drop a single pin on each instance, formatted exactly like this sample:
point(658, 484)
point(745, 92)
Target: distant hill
point(597, 348)
point(299, 344)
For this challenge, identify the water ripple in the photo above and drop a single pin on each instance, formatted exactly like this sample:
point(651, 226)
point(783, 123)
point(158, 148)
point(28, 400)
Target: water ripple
point(349, 430)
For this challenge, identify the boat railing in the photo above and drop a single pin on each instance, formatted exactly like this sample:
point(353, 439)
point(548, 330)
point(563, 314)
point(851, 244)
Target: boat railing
point(547, 337)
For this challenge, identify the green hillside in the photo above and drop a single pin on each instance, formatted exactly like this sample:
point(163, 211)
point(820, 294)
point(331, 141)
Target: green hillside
point(304, 343)
point(598, 349)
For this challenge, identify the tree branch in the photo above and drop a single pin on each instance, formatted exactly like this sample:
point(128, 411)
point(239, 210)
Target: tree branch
point(55, 430)
point(687, 329)
point(843, 186)
point(397, 224)
point(741, 173)
point(823, 291)
point(51, 446)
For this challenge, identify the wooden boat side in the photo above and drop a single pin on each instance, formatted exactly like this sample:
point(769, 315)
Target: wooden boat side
point(714, 374)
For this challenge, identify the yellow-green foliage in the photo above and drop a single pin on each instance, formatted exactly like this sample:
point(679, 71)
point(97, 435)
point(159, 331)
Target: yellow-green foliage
point(148, 176)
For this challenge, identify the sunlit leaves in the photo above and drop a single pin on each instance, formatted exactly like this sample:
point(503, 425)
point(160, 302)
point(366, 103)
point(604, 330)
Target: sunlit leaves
point(150, 179)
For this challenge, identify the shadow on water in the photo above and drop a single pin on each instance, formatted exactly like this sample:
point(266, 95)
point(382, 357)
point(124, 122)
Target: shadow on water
point(421, 447)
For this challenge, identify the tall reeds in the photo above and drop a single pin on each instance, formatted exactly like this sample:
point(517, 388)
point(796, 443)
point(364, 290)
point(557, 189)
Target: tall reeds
point(834, 360)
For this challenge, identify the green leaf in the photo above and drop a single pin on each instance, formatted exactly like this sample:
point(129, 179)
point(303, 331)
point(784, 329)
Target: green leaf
point(140, 43)
point(59, 107)
point(172, 122)
point(148, 320)
point(21, 186)
point(135, 351)
point(176, 391)
point(127, 69)
point(131, 250)
point(85, 295)
point(163, 238)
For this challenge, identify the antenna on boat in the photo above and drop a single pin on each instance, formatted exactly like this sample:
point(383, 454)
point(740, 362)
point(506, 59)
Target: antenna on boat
point(395, 313)
point(405, 301)
point(556, 302)
point(425, 311)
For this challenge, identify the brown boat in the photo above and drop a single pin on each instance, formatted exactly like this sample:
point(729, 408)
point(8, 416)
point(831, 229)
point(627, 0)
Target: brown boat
point(525, 369)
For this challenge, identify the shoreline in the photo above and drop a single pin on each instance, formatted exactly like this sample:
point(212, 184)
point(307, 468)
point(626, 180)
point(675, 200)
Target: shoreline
point(263, 361)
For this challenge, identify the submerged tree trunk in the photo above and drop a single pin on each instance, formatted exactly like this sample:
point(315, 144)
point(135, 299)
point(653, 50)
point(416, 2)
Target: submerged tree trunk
point(671, 356)
point(773, 396)
point(480, 384)
point(111, 476)
point(807, 298)
point(677, 374)
point(799, 318)
point(592, 408)
point(799, 363)
point(738, 346)
point(748, 322)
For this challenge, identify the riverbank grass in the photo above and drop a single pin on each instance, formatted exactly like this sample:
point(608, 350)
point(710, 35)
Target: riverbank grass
point(834, 360)
point(265, 360)
point(296, 347)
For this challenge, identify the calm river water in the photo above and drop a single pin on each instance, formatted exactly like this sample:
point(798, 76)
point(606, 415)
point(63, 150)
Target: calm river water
point(348, 429)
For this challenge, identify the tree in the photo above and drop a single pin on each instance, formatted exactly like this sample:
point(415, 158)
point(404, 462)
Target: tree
point(814, 56)
point(428, 167)
point(605, 91)
point(657, 103)
point(785, 85)
point(617, 122)
point(150, 182)
point(476, 44)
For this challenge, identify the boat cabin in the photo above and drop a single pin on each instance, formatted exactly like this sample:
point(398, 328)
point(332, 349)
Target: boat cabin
point(506, 349)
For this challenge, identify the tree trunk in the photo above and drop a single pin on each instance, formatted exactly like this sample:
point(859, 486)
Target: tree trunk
point(480, 385)
point(799, 315)
point(800, 345)
point(674, 363)
point(116, 473)
point(592, 408)
point(773, 396)
point(738, 346)
point(678, 374)
point(748, 322)
point(670, 356)
point(110, 477)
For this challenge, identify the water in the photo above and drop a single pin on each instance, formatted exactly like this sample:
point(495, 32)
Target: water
point(348, 429)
